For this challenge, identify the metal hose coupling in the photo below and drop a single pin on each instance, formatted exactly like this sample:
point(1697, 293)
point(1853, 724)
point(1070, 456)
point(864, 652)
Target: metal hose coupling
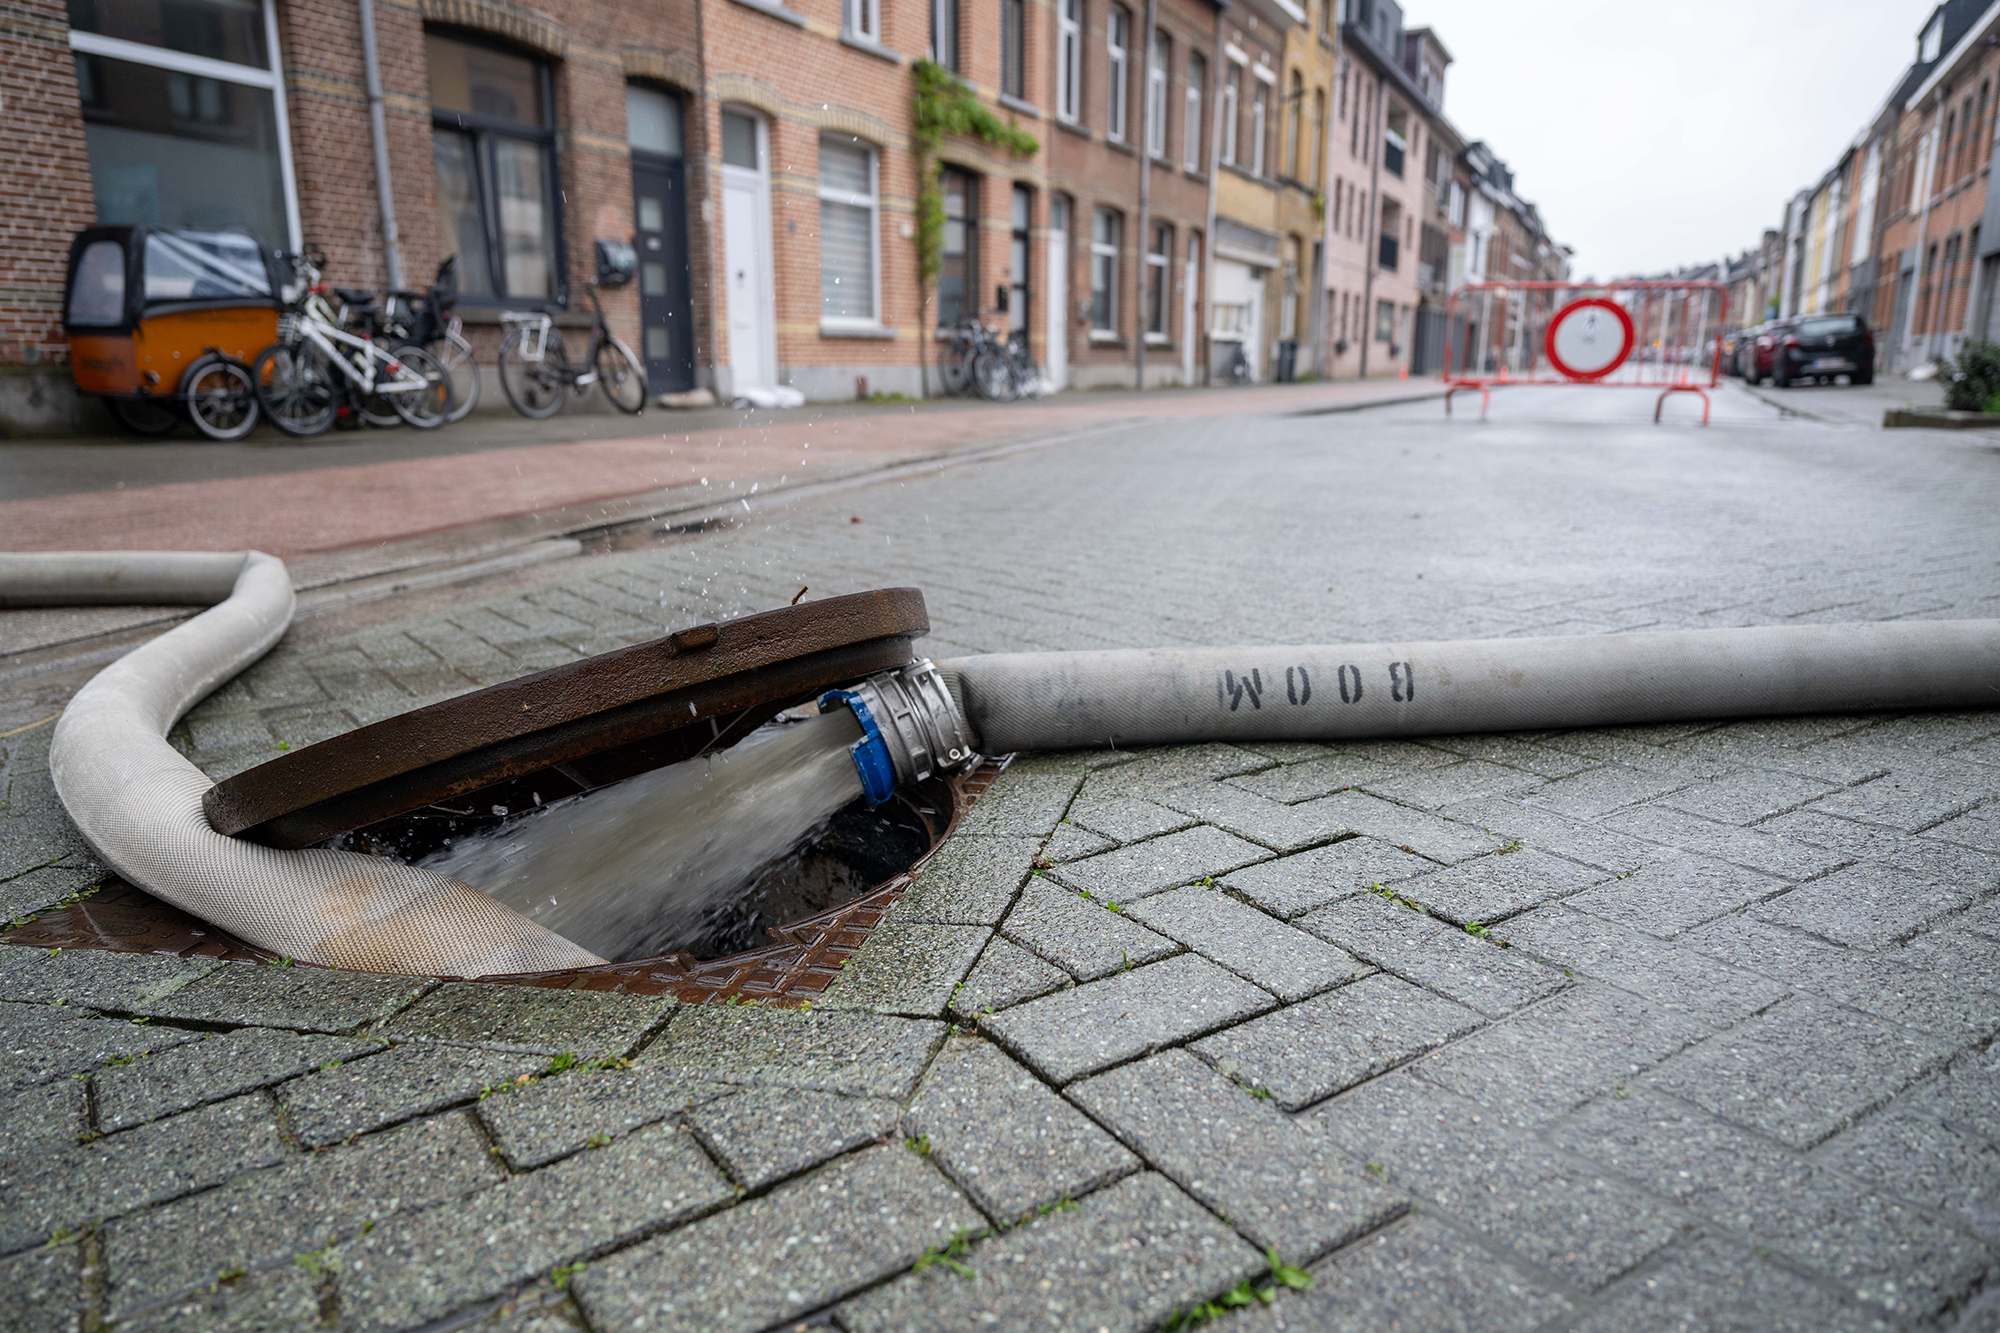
point(910, 728)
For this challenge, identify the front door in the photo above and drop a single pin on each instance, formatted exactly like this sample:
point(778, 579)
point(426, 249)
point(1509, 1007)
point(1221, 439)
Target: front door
point(666, 308)
point(746, 250)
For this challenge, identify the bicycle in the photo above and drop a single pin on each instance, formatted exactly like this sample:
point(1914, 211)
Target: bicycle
point(294, 377)
point(430, 320)
point(1005, 370)
point(535, 369)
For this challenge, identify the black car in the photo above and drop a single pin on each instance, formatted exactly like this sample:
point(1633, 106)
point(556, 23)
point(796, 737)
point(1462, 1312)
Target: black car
point(1819, 347)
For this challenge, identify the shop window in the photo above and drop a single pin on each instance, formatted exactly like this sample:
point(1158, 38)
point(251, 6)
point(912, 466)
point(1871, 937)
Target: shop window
point(849, 230)
point(1104, 238)
point(493, 145)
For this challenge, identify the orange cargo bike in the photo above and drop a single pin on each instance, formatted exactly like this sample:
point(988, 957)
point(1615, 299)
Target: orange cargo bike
point(163, 322)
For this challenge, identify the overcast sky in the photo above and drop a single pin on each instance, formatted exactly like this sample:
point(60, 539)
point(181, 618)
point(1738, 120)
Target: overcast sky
point(1659, 134)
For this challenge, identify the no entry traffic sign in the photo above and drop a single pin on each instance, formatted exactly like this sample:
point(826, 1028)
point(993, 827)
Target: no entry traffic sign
point(1589, 338)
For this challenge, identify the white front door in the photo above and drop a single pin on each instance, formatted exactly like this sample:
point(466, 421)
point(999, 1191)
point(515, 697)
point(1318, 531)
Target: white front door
point(1058, 302)
point(746, 250)
point(1190, 328)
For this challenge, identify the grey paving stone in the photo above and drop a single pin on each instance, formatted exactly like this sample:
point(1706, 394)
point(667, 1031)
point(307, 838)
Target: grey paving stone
point(536, 1309)
point(1320, 776)
point(1893, 983)
point(1745, 798)
point(44, 1042)
point(1591, 844)
point(415, 1269)
point(535, 1123)
point(1600, 791)
point(1929, 855)
point(1479, 1168)
point(307, 999)
point(1542, 761)
point(1161, 863)
point(1552, 1058)
point(1008, 1141)
point(1440, 837)
point(1672, 896)
point(285, 1299)
point(1278, 1184)
point(1477, 973)
point(1124, 1260)
point(1910, 1151)
point(1081, 935)
point(211, 1070)
point(1289, 963)
point(1978, 828)
point(1803, 1069)
point(93, 978)
point(40, 1291)
point(1313, 1049)
point(263, 1219)
point(1431, 788)
point(1021, 803)
point(120, 1172)
point(1669, 973)
point(1073, 842)
point(803, 1246)
point(1005, 974)
point(1124, 818)
point(594, 1025)
point(1960, 959)
point(1880, 1250)
point(1967, 1095)
point(1491, 888)
point(1293, 885)
point(398, 1084)
point(907, 968)
point(765, 1134)
point(1718, 1286)
point(1867, 905)
point(1756, 848)
point(24, 895)
point(854, 1054)
point(1415, 1276)
point(1164, 767)
point(41, 1118)
point(1269, 823)
point(1076, 1032)
point(970, 881)
point(1912, 800)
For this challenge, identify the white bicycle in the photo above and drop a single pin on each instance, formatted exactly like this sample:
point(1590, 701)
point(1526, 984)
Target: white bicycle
point(317, 367)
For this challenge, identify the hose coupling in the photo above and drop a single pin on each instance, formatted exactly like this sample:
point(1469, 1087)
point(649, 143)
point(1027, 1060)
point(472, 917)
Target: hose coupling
point(910, 728)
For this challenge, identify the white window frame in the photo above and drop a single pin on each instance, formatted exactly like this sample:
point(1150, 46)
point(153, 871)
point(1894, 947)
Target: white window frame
point(1259, 112)
point(1069, 59)
point(872, 201)
point(863, 19)
point(1191, 107)
point(159, 57)
point(1118, 54)
point(1158, 58)
point(1103, 250)
point(1232, 93)
point(1157, 261)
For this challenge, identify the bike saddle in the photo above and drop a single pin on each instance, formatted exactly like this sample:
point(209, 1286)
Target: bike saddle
point(354, 295)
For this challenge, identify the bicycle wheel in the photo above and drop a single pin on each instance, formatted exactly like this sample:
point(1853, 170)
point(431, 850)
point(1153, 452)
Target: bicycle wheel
point(535, 388)
point(143, 416)
point(954, 367)
point(294, 386)
point(221, 401)
point(454, 353)
point(993, 375)
point(623, 378)
point(423, 408)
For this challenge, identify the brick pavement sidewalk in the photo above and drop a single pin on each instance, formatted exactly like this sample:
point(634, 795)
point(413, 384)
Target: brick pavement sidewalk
point(1667, 1027)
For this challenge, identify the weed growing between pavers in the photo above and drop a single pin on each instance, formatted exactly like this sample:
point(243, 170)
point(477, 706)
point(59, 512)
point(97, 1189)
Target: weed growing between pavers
point(952, 1255)
point(1247, 1292)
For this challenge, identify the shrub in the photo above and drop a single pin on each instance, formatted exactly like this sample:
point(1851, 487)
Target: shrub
point(1972, 378)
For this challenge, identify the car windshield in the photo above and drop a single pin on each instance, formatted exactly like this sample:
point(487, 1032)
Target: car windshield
point(1833, 324)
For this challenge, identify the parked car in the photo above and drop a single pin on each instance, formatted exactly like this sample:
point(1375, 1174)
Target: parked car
point(1816, 348)
point(1733, 344)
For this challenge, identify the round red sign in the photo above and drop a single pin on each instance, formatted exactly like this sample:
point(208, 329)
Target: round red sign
point(1589, 338)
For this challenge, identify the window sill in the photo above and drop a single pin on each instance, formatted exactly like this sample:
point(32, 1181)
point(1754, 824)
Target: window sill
point(860, 328)
point(1098, 339)
point(1193, 174)
point(776, 11)
point(1158, 340)
point(1013, 103)
point(1120, 145)
point(865, 44)
point(1075, 127)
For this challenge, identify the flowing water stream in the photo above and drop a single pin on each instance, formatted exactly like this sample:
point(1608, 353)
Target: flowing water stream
point(639, 868)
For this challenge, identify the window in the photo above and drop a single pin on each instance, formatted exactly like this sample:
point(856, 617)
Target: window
point(848, 230)
point(864, 20)
point(1232, 94)
point(1157, 286)
point(1017, 259)
point(184, 115)
point(1156, 95)
point(944, 33)
point(1013, 47)
point(1259, 114)
point(1288, 304)
point(97, 296)
point(1197, 75)
point(492, 148)
point(1457, 204)
point(1117, 42)
point(1385, 321)
point(652, 120)
point(1394, 144)
point(1318, 142)
point(1069, 59)
point(1104, 231)
point(958, 268)
point(1294, 131)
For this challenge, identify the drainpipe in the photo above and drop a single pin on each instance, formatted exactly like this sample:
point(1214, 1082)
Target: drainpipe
point(371, 60)
point(1936, 312)
point(1146, 195)
point(1371, 233)
point(1215, 59)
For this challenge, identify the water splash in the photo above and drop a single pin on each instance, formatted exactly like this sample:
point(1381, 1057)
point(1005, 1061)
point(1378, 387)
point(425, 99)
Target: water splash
point(637, 868)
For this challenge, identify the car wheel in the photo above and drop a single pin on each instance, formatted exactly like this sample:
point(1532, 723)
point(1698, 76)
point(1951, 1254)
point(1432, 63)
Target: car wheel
point(1862, 376)
point(1779, 379)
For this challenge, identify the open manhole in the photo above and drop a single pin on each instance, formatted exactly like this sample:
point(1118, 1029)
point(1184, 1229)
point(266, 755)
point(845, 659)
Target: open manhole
point(408, 785)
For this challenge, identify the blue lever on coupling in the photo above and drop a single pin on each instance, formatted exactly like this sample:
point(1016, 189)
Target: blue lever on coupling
point(871, 752)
